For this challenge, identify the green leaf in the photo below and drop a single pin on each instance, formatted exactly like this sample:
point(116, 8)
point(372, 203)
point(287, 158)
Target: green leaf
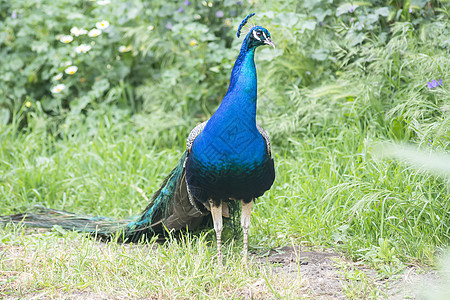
point(39, 47)
point(370, 19)
point(344, 8)
point(79, 104)
point(16, 63)
point(308, 24)
point(418, 3)
point(320, 14)
point(286, 19)
point(268, 54)
point(121, 69)
point(193, 28)
point(49, 104)
point(320, 54)
point(170, 76)
point(4, 116)
point(99, 88)
point(268, 14)
point(383, 11)
point(230, 2)
point(354, 38)
point(215, 69)
point(74, 16)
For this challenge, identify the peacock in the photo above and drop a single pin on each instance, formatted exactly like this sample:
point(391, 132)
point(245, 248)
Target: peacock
point(227, 160)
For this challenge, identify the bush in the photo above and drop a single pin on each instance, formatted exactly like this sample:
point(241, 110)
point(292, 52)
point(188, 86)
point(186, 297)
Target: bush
point(67, 57)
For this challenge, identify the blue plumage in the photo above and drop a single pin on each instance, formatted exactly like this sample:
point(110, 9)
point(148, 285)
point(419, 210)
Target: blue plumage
point(228, 158)
point(238, 33)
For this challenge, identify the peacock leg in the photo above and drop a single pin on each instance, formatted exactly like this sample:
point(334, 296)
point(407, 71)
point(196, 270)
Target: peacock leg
point(245, 223)
point(216, 212)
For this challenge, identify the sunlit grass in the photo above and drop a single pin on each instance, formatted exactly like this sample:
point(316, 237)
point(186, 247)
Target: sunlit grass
point(332, 188)
point(330, 192)
point(68, 263)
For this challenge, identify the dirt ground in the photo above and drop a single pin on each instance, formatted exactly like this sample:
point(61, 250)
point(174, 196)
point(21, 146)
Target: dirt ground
point(327, 275)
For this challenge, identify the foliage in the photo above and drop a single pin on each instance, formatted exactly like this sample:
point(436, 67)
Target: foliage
point(355, 64)
point(154, 54)
point(371, 86)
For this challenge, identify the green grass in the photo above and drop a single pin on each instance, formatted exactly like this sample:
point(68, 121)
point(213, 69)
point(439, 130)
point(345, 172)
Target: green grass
point(332, 187)
point(68, 264)
point(331, 193)
point(331, 190)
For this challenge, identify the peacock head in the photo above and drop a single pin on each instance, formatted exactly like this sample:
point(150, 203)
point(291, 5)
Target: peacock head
point(257, 35)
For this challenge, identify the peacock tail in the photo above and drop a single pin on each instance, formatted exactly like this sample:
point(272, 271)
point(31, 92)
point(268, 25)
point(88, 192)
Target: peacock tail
point(170, 210)
point(43, 217)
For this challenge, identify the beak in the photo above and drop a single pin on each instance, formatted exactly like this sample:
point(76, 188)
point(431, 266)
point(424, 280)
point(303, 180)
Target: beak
point(268, 41)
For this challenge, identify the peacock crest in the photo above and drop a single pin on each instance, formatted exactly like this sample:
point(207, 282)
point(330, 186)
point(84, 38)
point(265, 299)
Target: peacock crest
point(238, 33)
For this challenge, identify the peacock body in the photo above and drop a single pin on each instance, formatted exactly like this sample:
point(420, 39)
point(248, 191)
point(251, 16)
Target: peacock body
point(227, 158)
point(230, 158)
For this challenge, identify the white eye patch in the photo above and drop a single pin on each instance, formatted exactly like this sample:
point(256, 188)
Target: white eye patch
point(264, 34)
point(256, 36)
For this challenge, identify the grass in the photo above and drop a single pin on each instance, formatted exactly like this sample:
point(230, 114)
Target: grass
point(334, 194)
point(332, 188)
point(55, 263)
point(357, 285)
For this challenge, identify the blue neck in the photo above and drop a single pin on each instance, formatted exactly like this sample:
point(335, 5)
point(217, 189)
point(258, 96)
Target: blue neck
point(232, 128)
point(243, 75)
point(241, 94)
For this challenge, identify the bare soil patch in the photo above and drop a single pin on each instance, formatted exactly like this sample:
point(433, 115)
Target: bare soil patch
point(322, 276)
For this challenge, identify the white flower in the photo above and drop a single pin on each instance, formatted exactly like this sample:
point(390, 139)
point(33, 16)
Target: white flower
point(58, 88)
point(74, 31)
point(102, 25)
point(71, 70)
point(58, 76)
point(124, 49)
point(83, 48)
point(66, 39)
point(150, 27)
point(94, 32)
point(77, 31)
point(103, 2)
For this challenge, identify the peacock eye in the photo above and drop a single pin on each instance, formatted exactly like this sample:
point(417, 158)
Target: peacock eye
point(259, 33)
